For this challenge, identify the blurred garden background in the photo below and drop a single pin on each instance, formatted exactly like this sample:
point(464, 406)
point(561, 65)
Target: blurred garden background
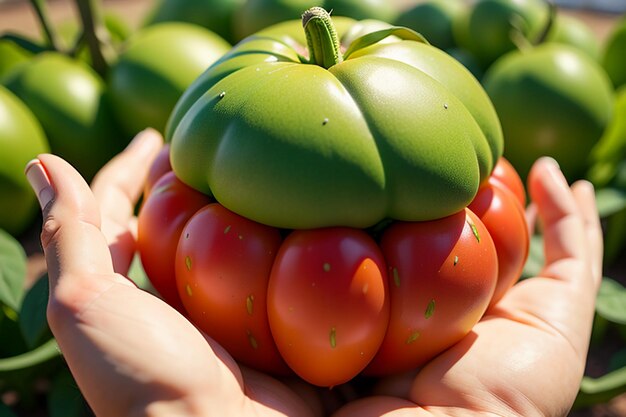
point(33, 378)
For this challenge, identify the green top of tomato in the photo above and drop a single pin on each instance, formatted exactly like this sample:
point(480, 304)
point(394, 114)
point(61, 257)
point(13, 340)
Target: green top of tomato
point(389, 128)
point(21, 139)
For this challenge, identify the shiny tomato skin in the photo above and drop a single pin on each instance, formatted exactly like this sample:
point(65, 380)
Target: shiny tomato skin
point(442, 274)
point(327, 303)
point(505, 173)
point(223, 264)
point(160, 223)
point(160, 166)
point(499, 210)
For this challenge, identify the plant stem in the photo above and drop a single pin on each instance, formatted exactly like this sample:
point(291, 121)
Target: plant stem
point(321, 37)
point(42, 15)
point(95, 34)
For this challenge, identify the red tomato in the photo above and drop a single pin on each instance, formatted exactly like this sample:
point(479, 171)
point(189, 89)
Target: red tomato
point(223, 265)
point(327, 303)
point(505, 173)
point(499, 209)
point(159, 167)
point(442, 275)
point(160, 222)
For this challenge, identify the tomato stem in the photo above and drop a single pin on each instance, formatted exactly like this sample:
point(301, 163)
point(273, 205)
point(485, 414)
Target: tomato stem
point(42, 14)
point(321, 38)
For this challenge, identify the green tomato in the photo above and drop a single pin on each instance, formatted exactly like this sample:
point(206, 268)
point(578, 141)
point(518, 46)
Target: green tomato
point(11, 57)
point(610, 152)
point(69, 100)
point(489, 27)
point(573, 31)
point(397, 129)
point(155, 67)
point(552, 100)
point(21, 139)
point(614, 54)
point(255, 15)
point(215, 15)
point(434, 19)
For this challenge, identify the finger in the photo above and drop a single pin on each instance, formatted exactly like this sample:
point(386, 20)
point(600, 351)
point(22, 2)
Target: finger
point(71, 238)
point(585, 197)
point(118, 185)
point(558, 211)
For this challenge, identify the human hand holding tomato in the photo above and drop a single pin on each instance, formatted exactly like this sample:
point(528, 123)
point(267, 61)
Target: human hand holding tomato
point(131, 352)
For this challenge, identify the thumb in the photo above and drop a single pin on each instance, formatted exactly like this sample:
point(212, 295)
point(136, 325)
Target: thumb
point(73, 244)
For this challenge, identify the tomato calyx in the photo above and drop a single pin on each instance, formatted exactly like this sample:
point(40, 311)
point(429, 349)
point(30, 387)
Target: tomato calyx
point(321, 38)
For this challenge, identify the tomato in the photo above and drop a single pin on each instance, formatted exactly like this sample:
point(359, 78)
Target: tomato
point(327, 303)
point(215, 15)
point(254, 15)
point(155, 66)
point(160, 223)
point(11, 56)
point(487, 28)
point(21, 139)
point(614, 54)
point(571, 30)
point(223, 264)
point(70, 101)
point(552, 100)
point(160, 166)
point(434, 19)
point(442, 276)
point(506, 174)
point(504, 218)
point(394, 129)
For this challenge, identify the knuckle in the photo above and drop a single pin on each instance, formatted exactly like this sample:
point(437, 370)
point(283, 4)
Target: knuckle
point(49, 231)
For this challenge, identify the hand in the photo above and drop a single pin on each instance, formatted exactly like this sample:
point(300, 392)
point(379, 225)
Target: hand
point(526, 357)
point(132, 354)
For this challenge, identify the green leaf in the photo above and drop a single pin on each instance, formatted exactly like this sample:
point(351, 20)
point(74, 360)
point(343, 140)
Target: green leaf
point(65, 399)
point(5, 411)
point(12, 271)
point(610, 200)
point(611, 301)
point(377, 36)
point(602, 389)
point(43, 353)
point(138, 275)
point(33, 321)
point(536, 259)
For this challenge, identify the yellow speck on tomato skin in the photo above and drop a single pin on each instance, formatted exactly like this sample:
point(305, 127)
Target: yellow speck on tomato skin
point(412, 337)
point(366, 287)
point(188, 262)
point(326, 267)
point(227, 229)
point(474, 230)
point(456, 260)
point(333, 337)
point(250, 304)
point(252, 340)
point(188, 290)
point(396, 277)
point(430, 309)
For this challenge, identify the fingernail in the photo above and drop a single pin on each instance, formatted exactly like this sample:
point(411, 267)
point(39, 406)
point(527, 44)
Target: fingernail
point(40, 182)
